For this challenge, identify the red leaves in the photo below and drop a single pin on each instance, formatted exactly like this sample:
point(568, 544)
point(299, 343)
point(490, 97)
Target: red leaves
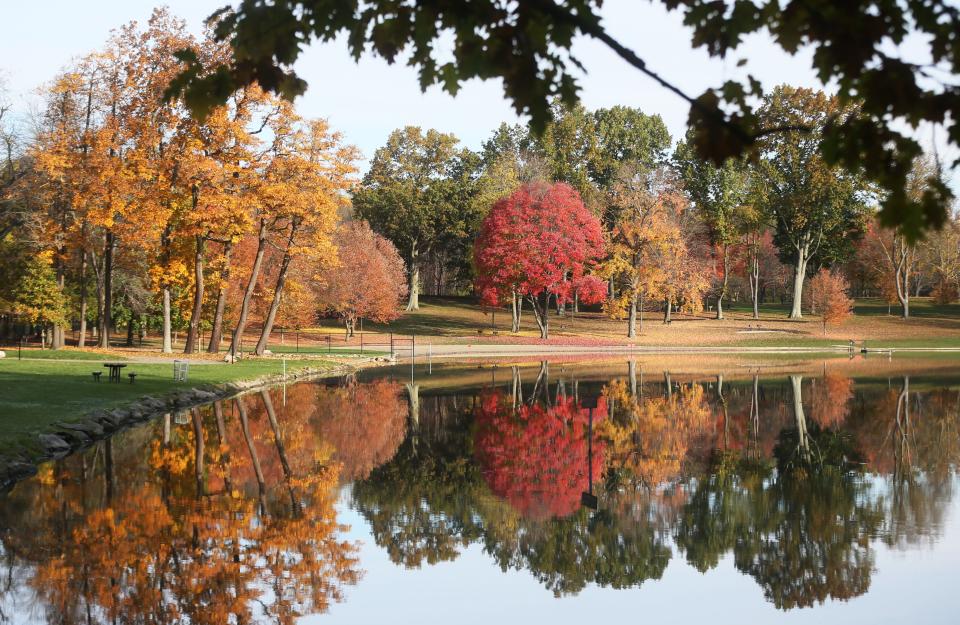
point(536, 457)
point(539, 239)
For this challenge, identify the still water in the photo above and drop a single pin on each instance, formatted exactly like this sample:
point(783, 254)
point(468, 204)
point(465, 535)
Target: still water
point(542, 492)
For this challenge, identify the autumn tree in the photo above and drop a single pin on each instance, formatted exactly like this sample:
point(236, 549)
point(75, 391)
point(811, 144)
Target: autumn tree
point(719, 195)
point(899, 252)
point(303, 191)
point(828, 297)
point(369, 279)
point(413, 195)
point(940, 256)
point(643, 239)
point(817, 209)
point(539, 242)
point(38, 299)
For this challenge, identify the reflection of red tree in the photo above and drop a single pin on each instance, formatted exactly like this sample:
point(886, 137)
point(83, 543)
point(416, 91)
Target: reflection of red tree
point(536, 457)
point(365, 424)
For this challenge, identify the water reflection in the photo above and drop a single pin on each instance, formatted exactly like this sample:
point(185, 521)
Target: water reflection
point(212, 516)
point(228, 513)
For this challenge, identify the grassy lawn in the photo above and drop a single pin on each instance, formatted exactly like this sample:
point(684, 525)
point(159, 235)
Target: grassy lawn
point(36, 394)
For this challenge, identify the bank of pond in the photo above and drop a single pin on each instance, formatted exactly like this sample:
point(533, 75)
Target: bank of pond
point(550, 490)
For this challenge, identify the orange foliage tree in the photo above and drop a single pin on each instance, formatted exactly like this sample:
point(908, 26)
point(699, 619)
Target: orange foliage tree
point(369, 279)
point(828, 296)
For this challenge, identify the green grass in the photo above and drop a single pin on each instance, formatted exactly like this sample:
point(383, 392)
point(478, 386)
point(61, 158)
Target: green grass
point(36, 394)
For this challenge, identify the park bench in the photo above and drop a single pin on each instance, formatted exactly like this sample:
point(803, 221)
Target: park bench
point(96, 375)
point(132, 376)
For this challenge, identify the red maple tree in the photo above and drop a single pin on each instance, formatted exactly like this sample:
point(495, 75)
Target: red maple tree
point(539, 242)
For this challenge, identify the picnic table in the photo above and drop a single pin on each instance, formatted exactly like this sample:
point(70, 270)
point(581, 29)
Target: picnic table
point(115, 368)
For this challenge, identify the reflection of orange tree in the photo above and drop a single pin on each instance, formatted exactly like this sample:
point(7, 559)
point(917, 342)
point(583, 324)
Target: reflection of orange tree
point(365, 424)
point(830, 399)
point(647, 440)
point(536, 456)
point(165, 552)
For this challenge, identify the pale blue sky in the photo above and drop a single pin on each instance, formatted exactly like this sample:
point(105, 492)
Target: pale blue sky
point(366, 101)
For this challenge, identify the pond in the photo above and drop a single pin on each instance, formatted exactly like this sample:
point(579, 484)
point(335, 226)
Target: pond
point(677, 490)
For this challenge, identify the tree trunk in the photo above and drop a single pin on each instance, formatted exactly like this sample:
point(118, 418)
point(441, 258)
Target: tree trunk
point(902, 278)
point(413, 299)
point(167, 342)
point(723, 284)
point(632, 318)
point(277, 294)
point(216, 331)
point(755, 285)
point(129, 342)
point(57, 339)
point(640, 310)
point(667, 309)
point(248, 292)
point(800, 272)
point(516, 308)
point(105, 316)
point(82, 338)
point(541, 313)
point(190, 345)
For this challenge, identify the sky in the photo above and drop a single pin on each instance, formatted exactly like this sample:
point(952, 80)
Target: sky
point(367, 100)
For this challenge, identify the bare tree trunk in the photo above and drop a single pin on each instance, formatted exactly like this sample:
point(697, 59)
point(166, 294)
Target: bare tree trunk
point(632, 318)
point(667, 309)
point(277, 293)
point(190, 345)
point(723, 285)
point(799, 273)
point(755, 285)
point(248, 292)
point(106, 321)
point(413, 299)
point(57, 340)
point(541, 313)
point(167, 330)
point(516, 308)
point(82, 338)
point(216, 331)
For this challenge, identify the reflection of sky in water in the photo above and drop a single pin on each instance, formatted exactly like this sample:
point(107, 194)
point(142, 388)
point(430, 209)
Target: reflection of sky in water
point(915, 584)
